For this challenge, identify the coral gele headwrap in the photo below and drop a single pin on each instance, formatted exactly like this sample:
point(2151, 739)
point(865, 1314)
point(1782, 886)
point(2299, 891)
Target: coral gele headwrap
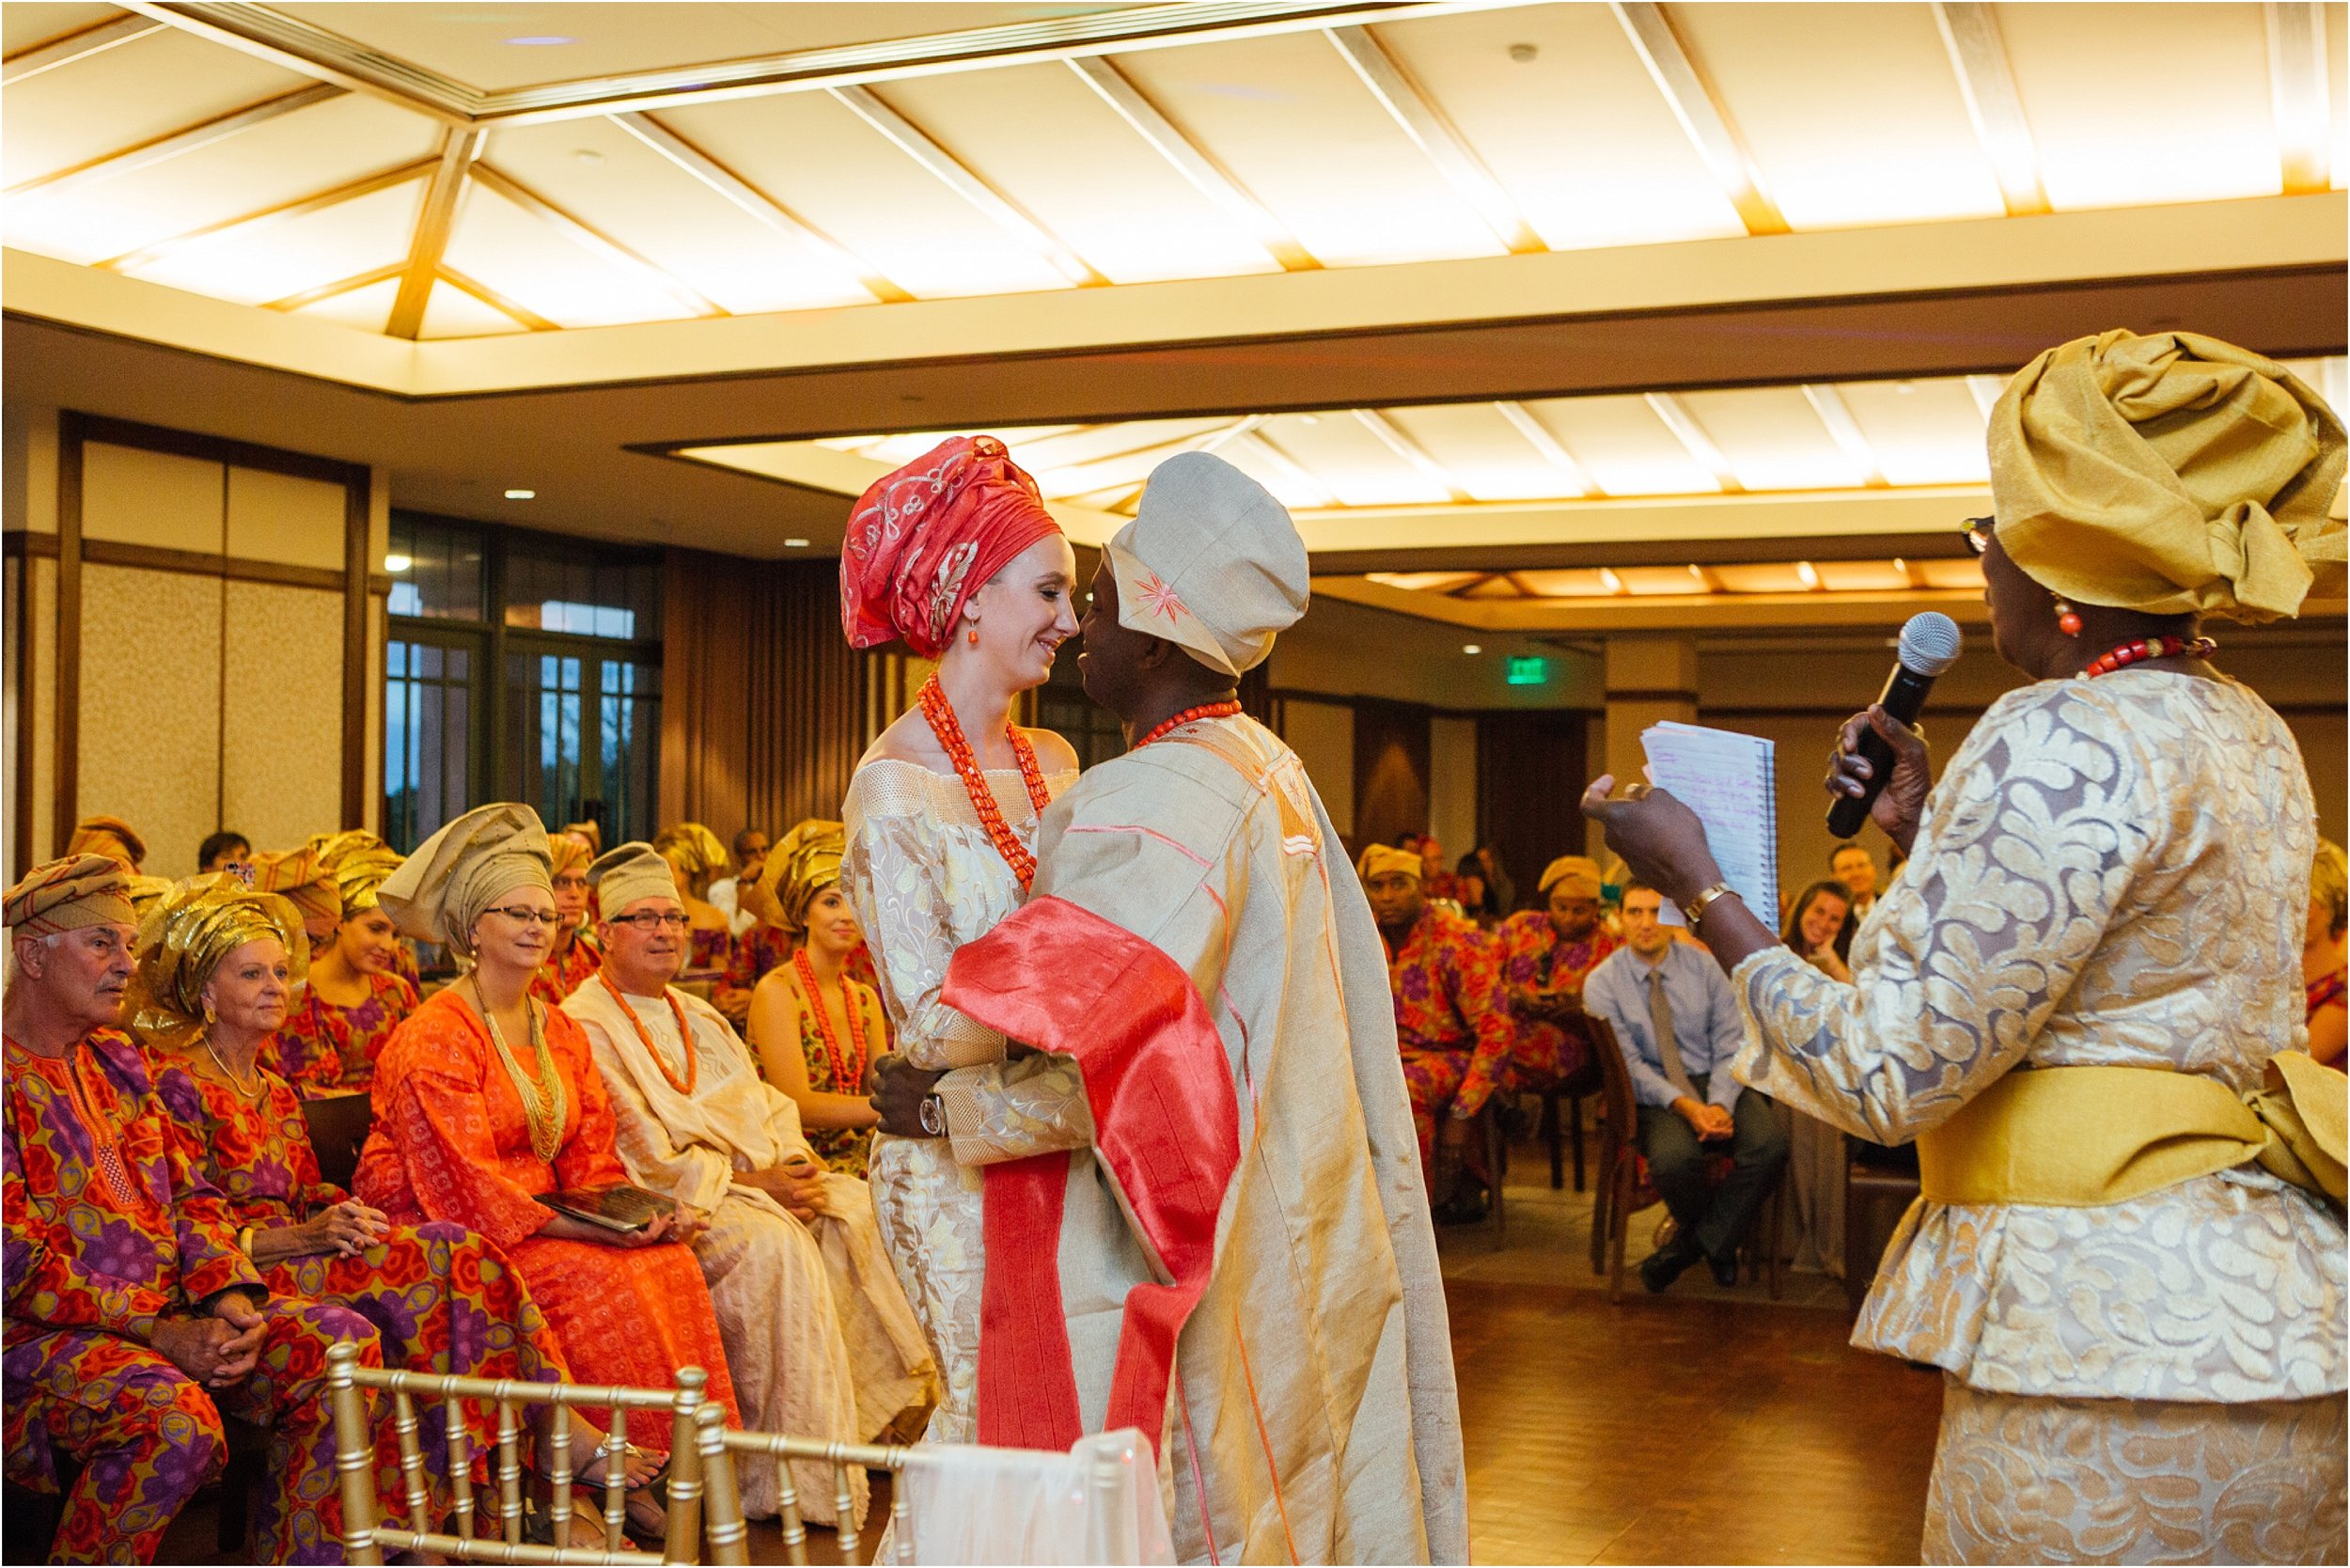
point(924, 538)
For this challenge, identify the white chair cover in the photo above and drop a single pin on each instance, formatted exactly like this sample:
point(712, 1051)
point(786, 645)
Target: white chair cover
point(1098, 1503)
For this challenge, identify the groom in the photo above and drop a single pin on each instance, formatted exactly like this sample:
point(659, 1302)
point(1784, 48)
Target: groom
point(1209, 1163)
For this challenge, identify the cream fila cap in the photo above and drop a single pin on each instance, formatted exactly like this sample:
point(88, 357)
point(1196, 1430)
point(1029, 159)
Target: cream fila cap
point(1210, 563)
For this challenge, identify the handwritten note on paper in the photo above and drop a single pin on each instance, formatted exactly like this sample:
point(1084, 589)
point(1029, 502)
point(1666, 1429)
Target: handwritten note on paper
point(1729, 781)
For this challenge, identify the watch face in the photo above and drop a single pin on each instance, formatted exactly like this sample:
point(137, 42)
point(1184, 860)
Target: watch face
point(932, 1122)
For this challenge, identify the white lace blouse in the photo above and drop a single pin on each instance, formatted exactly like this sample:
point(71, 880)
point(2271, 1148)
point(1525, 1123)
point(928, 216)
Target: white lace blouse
point(2110, 872)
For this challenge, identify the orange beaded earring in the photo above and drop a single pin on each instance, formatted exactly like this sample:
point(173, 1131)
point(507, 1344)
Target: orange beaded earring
point(2068, 619)
point(974, 637)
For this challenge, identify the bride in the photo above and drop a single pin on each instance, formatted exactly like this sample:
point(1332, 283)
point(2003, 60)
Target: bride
point(956, 554)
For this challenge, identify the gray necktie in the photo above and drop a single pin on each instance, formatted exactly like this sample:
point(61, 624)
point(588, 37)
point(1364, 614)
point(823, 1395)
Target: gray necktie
point(1660, 1018)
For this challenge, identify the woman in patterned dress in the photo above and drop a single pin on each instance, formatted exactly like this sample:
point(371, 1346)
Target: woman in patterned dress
point(1545, 955)
point(2325, 985)
point(2077, 994)
point(355, 996)
point(956, 554)
point(216, 967)
point(815, 1025)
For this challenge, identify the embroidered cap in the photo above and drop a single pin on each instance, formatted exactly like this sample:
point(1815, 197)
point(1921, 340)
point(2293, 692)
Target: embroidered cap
point(66, 895)
point(1210, 563)
point(628, 873)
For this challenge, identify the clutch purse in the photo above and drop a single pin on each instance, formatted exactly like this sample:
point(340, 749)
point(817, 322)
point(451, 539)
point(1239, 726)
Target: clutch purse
point(621, 1207)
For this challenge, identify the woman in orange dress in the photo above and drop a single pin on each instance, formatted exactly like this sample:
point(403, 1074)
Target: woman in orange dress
point(355, 996)
point(486, 1099)
point(572, 956)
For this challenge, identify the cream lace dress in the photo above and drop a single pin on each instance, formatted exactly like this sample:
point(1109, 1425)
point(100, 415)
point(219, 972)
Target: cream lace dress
point(924, 879)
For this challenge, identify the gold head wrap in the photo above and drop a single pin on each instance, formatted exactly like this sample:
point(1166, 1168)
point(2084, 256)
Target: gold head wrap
point(804, 863)
point(66, 895)
point(145, 891)
point(693, 849)
point(359, 878)
point(2329, 881)
point(439, 892)
point(1387, 860)
point(184, 939)
point(2171, 474)
point(568, 850)
point(1580, 873)
point(593, 832)
point(628, 872)
point(299, 877)
point(109, 835)
point(332, 847)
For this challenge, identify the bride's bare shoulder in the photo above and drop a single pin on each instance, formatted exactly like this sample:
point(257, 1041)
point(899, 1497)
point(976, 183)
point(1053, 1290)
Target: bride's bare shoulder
point(908, 739)
point(1053, 754)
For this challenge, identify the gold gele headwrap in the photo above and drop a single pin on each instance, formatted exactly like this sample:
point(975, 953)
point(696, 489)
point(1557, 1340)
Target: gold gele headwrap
point(439, 892)
point(804, 863)
point(1387, 860)
point(107, 836)
point(185, 938)
point(592, 831)
point(693, 849)
point(68, 894)
point(1580, 873)
point(2171, 474)
point(626, 873)
point(568, 850)
point(302, 881)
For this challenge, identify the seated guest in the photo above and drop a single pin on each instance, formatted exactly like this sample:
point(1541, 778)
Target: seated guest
point(763, 941)
point(1501, 891)
point(333, 848)
point(336, 1029)
point(1546, 955)
point(1677, 1024)
point(695, 855)
point(110, 836)
point(750, 854)
point(816, 1025)
point(592, 831)
point(574, 956)
point(2323, 980)
point(220, 850)
point(1820, 925)
point(819, 1336)
point(485, 1099)
point(1856, 869)
point(134, 1319)
point(1450, 1021)
point(1435, 882)
point(217, 965)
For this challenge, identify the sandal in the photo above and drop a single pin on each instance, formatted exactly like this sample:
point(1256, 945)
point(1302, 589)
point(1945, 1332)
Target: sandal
point(646, 1517)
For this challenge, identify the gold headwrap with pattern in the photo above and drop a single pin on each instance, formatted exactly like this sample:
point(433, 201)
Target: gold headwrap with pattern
point(1387, 860)
point(2171, 474)
point(184, 939)
point(439, 892)
point(804, 863)
point(566, 851)
point(302, 881)
point(107, 836)
point(68, 894)
point(693, 849)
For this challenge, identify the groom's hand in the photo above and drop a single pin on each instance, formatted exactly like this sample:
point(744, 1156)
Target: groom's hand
point(899, 1088)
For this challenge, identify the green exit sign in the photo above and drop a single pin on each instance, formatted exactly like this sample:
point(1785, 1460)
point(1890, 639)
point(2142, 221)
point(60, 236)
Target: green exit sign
point(1531, 670)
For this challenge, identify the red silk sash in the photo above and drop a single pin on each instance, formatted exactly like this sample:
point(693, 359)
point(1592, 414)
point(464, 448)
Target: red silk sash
point(1165, 1123)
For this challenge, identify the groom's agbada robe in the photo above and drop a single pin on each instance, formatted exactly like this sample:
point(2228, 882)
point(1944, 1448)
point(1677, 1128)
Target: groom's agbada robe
point(1237, 1131)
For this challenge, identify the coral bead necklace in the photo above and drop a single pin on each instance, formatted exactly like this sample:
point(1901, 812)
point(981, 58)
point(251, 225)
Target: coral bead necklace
point(949, 729)
point(644, 1036)
point(2139, 649)
point(1204, 710)
point(847, 1071)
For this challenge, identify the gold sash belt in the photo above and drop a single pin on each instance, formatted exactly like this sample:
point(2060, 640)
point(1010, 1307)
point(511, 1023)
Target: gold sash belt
point(2083, 1136)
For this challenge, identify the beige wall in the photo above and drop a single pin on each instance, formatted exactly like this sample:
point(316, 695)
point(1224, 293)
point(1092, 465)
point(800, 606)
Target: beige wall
point(1323, 735)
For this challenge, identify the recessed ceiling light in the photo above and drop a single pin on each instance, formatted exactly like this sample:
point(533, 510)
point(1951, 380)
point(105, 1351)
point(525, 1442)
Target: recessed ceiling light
point(522, 495)
point(1807, 573)
point(1610, 581)
point(589, 155)
point(1524, 53)
point(1310, 418)
point(795, 544)
point(539, 40)
point(1472, 647)
point(396, 564)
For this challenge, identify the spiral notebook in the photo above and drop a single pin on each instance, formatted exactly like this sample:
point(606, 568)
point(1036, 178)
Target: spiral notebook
point(1730, 781)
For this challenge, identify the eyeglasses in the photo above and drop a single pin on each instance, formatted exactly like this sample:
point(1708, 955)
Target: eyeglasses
point(522, 916)
point(653, 919)
point(1977, 532)
point(572, 883)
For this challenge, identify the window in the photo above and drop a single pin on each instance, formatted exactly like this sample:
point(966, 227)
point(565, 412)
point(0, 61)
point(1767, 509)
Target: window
point(519, 666)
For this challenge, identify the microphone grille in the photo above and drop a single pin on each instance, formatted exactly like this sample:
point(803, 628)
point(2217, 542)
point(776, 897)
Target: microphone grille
point(1929, 643)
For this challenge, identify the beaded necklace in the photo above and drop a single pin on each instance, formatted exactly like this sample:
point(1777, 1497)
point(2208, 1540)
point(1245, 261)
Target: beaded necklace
point(848, 1075)
point(677, 1011)
point(545, 1105)
point(2139, 649)
point(941, 714)
point(1204, 710)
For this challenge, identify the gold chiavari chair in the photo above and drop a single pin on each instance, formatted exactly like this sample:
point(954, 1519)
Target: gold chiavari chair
point(699, 1462)
point(779, 1450)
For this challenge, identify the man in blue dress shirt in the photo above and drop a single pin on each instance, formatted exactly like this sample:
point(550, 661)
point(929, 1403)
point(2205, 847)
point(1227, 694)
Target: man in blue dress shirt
point(1676, 1023)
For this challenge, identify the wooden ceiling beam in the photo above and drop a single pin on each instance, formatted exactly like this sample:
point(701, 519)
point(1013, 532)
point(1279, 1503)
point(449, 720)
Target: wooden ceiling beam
point(340, 286)
point(1668, 407)
point(512, 309)
point(593, 240)
point(435, 220)
point(1835, 414)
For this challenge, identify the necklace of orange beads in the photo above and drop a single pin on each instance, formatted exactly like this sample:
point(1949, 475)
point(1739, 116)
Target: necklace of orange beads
point(1204, 710)
point(848, 1072)
point(684, 1032)
point(941, 714)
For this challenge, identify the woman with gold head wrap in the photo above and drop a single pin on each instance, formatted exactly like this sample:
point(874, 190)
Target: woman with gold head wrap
point(694, 854)
point(2076, 994)
point(2324, 974)
point(485, 1099)
point(217, 965)
point(815, 1025)
point(574, 956)
point(337, 1025)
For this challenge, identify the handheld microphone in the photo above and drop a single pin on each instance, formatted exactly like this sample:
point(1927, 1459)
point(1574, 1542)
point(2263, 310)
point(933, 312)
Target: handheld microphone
point(1927, 646)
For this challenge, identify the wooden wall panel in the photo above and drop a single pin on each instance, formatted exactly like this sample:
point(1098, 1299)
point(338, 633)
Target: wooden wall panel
point(150, 692)
point(282, 669)
point(1531, 773)
point(164, 500)
point(1390, 770)
point(1323, 735)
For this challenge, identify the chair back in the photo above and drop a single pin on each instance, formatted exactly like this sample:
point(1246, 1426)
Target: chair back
point(698, 1462)
point(1615, 1079)
point(338, 1128)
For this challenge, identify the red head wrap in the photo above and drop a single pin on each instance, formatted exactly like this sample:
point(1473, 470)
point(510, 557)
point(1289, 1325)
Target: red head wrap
point(924, 538)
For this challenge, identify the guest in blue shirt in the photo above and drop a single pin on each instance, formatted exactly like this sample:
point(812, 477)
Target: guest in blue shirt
point(1676, 1023)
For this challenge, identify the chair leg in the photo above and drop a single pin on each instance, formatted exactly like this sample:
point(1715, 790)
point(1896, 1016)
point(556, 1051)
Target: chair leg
point(1550, 1135)
point(1619, 1222)
point(1575, 1133)
point(1497, 1163)
point(1602, 1182)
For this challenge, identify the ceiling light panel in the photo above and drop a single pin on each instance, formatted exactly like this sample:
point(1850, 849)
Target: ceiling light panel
point(848, 181)
point(1353, 465)
point(1572, 583)
point(1075, 446)
point(251, 266)
point(1482, 454)
point(1425, 582)
point(469, 42)
point(1290, 482)
point(1298, 128)
point(1624, 446)
point(633, 193)
point(1050, 144)
point(37, 21)
point(537, 265)
point(1761, 577)
point(151, 87)
point(1922, 431)
point(450, 312)
point(1773, 439)
point(1657, 581)
point(2338, 90)
point(1861, 576)
point(1578, 135)
point(286, 158)
point(2215, 142)
point(1962, 573)
point(367, 308)
point(1851, 111)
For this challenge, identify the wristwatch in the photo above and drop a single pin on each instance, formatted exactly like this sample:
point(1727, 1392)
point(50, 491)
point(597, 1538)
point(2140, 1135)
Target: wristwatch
point(933, 1116)
point(1695, 909)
